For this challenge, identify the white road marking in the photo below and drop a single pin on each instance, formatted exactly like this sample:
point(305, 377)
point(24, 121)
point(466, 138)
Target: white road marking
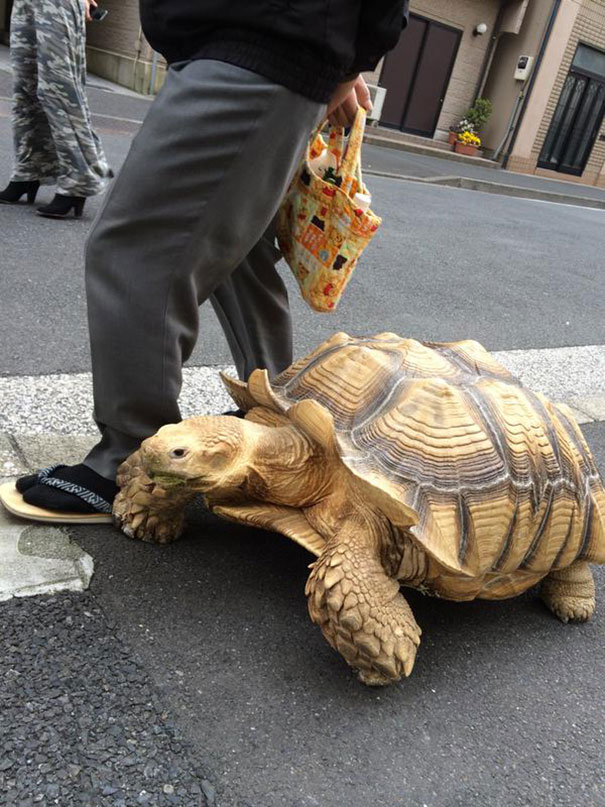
point(561, 204)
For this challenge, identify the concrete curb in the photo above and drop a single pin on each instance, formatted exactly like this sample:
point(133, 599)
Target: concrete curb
point(428, 151)
point(37, 558)
point(466, 183)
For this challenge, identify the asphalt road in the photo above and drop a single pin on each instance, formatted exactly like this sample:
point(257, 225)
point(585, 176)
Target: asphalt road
point(447, 265)
point(505, 704)
point(504, 707)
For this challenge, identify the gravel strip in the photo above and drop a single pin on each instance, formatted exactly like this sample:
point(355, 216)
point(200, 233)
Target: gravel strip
point(561, 373)
point(62, 404)
point(80, 721)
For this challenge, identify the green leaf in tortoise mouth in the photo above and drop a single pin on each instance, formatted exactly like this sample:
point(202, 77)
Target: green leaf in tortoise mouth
point(168, 480)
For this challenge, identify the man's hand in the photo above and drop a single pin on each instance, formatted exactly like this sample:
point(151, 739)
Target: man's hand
point(345, 100)
point(88, 5)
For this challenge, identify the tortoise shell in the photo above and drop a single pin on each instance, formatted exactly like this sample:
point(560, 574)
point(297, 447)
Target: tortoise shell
point(499, 479)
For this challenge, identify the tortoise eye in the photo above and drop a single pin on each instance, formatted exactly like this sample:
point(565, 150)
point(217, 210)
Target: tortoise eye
point(178, 453)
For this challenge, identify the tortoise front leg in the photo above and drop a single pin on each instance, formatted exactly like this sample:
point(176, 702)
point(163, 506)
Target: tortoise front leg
point(361, 612)
point(142, 509)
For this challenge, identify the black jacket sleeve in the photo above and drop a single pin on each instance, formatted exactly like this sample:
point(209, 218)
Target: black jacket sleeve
point(380, 25)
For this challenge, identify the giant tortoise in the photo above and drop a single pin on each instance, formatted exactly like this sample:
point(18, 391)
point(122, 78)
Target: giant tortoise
point(396, 463)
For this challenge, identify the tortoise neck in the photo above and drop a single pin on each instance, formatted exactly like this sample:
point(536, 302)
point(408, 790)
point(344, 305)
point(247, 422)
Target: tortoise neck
point(288, 468)
point(346, 515)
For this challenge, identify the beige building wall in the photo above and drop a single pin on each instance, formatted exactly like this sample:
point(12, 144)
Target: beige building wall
point(118, 52)
point(579, 21)
point(501, 87)
point(117, 49)
point(544, 83)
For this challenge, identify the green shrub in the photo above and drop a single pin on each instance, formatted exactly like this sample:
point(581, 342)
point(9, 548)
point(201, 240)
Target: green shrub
point(479, 113)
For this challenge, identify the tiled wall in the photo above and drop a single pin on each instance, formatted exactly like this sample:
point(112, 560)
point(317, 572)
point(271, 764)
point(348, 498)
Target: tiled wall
point(589, 29)
point(116, 48)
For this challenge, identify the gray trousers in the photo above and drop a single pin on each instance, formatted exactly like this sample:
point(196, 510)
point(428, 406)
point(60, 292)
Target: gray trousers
point(189, 218)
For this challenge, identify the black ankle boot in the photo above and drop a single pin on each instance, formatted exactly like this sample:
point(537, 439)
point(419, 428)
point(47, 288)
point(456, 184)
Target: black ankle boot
point(15, 190)
point(61, 206)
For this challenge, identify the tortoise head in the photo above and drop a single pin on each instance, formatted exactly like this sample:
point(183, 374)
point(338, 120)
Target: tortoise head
point(205, 453)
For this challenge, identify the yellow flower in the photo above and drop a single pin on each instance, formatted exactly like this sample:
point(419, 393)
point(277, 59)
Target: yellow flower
point(469, 139)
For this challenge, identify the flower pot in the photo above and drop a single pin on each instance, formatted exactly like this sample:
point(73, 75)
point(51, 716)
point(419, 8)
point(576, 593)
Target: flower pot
point(463, 148)
point(453, 138)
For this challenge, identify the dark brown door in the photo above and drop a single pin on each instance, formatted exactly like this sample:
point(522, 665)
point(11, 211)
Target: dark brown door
point(7, 15)
point(416, 75)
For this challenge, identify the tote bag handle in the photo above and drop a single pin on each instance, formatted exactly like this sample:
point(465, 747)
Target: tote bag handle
point(350, 168)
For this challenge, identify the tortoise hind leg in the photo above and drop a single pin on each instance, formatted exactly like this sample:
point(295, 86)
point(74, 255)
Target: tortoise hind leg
point(570, 592)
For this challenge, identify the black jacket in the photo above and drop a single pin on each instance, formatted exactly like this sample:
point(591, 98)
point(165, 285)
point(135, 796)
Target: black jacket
point(306, 45)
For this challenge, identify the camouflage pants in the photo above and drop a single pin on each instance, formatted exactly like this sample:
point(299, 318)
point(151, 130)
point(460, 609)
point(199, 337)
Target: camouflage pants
point(53, 135)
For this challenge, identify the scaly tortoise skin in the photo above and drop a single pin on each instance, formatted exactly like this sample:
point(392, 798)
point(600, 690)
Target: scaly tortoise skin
point(395, 462)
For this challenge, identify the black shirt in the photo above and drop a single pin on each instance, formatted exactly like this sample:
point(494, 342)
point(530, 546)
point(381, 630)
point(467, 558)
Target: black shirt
point(308, 46)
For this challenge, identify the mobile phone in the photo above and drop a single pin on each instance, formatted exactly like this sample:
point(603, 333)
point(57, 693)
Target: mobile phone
point(99, 14)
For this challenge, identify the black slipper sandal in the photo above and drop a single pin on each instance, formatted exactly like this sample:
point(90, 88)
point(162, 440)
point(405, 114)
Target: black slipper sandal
point(26, 482)
point(61, 495)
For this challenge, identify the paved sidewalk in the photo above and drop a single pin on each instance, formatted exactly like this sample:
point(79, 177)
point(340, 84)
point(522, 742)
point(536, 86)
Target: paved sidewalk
point(115, 109)
point(95, 82)
point(62, 403)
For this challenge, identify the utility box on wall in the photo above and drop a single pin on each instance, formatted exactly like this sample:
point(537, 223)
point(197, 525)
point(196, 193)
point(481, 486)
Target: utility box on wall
point(377, 95)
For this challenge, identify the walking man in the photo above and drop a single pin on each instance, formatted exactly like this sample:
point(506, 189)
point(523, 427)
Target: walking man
point(189, 217)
